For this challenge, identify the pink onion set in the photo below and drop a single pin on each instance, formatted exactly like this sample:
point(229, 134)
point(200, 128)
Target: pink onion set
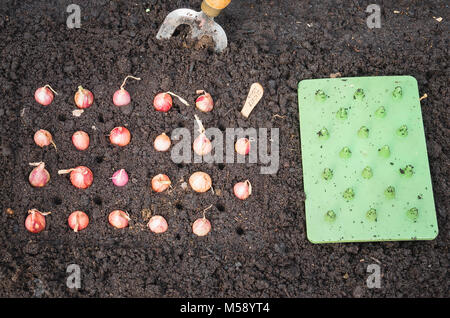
point(120, 178)
point(157, 224)
point(202, 145)
point(121, 97)
point(163, 101)
point(200, 182)
point(44, 95)
point(80, 140)
point(35, 221)
point(242, 190)
point(78, 221)
point(201, 227)
point(162, 143)
point(160, 183)
point(81, 177)
point(242, 146)
point(204, 102)
point(39, 176)
point(83, 98)
point(43, 138)
point(120, 136)
point(119, 219)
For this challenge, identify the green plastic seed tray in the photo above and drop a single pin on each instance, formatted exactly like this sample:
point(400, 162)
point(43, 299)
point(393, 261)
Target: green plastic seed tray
point(365, 163)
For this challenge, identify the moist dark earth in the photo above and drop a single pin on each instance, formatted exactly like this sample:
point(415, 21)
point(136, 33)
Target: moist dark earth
point(257, 247)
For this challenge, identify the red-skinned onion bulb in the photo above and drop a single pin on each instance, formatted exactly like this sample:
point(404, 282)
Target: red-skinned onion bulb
point(119, 219)
point(157, 224)
point(43, 138)
point(122, 97)
point(242, 146)
point(39, 176)
point(162, 143)
point(201, 227)
point(120, 178)
point(35, 221)
point(80, 140)
point(160, 183)
point(78, 221)
point(81, 177)
point(83, 98)
point(200, 181)
point(242, 190)
point(204, 102)
point(44, 95)
point(163, 101)
point(202, 145)
point(120, 136)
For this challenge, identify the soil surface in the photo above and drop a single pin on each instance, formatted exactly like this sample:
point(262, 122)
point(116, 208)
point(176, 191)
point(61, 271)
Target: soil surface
point(258, 247)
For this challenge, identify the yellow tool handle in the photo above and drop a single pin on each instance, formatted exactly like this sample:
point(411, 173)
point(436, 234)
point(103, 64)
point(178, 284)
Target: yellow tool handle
point(212, 8)
point(218, 4)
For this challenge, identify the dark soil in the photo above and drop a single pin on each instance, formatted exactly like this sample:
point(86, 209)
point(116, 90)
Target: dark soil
point(257, 247)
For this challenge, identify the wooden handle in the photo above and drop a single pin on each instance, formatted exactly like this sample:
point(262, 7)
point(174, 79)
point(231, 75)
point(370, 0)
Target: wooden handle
point(218, 4)
point(212, 8)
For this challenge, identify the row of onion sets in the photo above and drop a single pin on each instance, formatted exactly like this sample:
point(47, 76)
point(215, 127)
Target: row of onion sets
point(82, 177)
